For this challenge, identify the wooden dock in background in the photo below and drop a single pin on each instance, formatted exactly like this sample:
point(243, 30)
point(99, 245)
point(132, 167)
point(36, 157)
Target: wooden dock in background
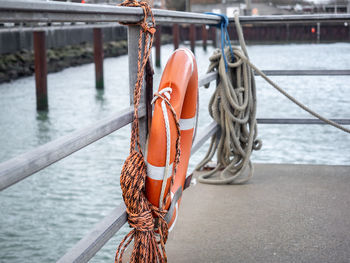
point(286, 213)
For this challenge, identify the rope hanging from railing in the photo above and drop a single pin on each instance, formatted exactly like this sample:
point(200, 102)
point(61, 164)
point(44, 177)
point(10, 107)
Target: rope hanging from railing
point(132, 179)
point(233, 107)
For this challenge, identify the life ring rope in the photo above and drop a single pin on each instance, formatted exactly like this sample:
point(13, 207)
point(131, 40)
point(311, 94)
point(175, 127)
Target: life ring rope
point(165, 95)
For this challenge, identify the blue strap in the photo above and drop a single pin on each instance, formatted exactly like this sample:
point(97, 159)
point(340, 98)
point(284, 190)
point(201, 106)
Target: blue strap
point(225, 38)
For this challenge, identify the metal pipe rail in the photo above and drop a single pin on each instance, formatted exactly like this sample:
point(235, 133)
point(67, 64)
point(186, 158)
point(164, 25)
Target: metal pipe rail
point(26, 11)
point(46, 28)
point(308, 121)
point(22, 166)
point(213, 75)
point(312, 72)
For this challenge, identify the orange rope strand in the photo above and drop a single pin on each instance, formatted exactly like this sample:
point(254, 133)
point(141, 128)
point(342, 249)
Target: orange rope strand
point(141, 213)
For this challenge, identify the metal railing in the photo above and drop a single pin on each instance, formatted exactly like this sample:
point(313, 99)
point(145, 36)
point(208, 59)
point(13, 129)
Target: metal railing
point(20, 167)
point(24, 11)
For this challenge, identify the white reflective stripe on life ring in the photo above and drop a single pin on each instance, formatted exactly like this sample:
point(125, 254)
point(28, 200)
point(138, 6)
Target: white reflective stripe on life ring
point(187, 124)
point(157, 173)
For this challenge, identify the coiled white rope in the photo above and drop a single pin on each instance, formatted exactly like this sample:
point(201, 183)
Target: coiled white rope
point(233, 107)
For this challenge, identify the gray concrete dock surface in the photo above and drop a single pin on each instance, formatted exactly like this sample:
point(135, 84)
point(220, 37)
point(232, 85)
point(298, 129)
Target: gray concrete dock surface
point(286, 213)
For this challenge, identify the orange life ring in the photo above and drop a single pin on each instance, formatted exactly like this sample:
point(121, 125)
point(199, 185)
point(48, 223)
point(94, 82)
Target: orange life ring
point(180, 80)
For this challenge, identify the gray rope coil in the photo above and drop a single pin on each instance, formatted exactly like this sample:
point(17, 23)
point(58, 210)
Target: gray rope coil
point(233, 107)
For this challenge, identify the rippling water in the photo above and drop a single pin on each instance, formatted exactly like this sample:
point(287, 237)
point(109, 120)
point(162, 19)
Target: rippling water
point(44, 215)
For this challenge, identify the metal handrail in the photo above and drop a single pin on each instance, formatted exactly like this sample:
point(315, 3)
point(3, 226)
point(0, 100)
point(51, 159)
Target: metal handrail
point(26, 11)
point(213, 75)
point(309, 121)
point(309, 72)
point(103, 231)
point(32, 28)
point(22, 166)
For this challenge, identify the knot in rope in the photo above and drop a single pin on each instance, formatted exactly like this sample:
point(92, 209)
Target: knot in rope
point(147, 28)
point(225, 38)
point(141, 222)
point(162, 225)
point(146, 25)
point(140, 215)
point(166, 91)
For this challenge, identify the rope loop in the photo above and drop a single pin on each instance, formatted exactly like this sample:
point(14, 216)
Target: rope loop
point(225, 38)
point(164, 95)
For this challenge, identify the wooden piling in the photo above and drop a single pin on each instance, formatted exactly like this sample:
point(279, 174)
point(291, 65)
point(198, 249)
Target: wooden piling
point(40, 70)
point(318, 32)
point(204, 37)
point(98, 57)
point(213, 36)
point(192, 37)
point(176, 36)
point(158, 44)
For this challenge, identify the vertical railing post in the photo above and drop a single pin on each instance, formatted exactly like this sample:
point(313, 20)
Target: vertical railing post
point(158, 43)
point(40, 70)
point(133, 39)
point(98, 57)
point(204, 37)
point(176, 35)
point(192, 37)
